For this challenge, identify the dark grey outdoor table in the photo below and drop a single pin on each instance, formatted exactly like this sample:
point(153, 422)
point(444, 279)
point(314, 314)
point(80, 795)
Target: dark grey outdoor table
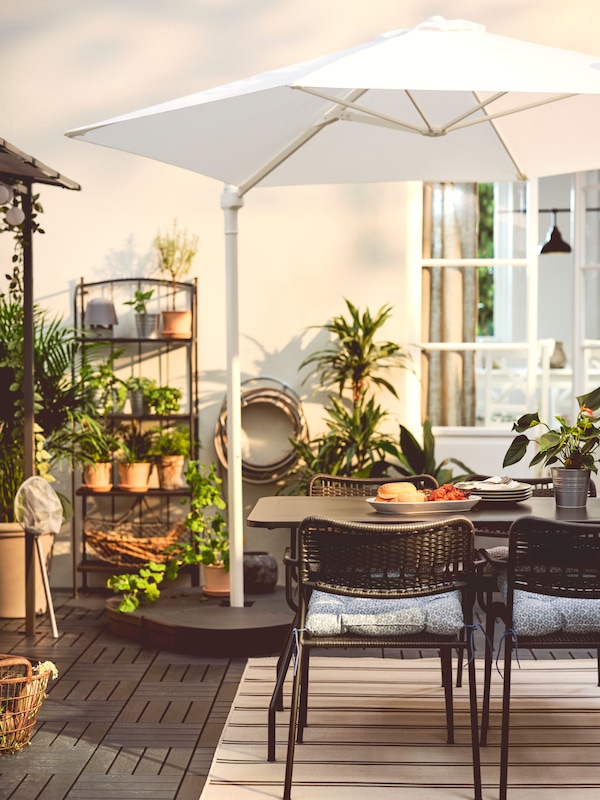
point(488, 518)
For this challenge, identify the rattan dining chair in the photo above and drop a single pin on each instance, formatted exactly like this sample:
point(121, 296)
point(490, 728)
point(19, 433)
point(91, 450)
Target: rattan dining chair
point(363, 585)
point(551, 601)
point(324, 485)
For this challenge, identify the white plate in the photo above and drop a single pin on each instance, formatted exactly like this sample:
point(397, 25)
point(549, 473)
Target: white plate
point(504, 499)
point(431, 507)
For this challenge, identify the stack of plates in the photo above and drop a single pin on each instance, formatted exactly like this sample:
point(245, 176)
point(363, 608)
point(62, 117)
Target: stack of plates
point(492, 491)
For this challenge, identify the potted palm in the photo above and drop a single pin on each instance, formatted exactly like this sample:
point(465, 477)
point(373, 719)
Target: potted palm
point(170, 448)
point(146, 324)
point(176, 251)
point(569, 451)
point(135, 462)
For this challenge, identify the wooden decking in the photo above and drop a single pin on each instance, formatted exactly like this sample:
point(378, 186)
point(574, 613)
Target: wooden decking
point(377, 731)
point(122, 720)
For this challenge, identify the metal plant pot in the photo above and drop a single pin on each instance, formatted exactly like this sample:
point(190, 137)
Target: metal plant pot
point(146, 325)
point(571, 487)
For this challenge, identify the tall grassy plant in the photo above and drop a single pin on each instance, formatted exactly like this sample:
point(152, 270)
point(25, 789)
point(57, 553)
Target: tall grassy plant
point(355, 363)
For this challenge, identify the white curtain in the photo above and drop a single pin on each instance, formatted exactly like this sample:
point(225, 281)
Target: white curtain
point(450, 301)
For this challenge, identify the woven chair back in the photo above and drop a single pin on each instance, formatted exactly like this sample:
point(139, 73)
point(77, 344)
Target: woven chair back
point(554, 558)
point(323, 485)
point(390, 561)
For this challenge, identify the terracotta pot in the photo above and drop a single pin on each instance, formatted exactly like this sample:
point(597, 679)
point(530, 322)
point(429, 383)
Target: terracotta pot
point(134, 477)
point(12, 571)
point(177, 324)
point(216, 580)
point(170, 472)
point(98, 477)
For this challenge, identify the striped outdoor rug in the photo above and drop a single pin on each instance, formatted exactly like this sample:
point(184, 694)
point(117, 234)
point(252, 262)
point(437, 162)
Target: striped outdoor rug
point(377, 731)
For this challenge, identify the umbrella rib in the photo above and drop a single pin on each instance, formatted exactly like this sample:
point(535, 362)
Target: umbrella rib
point(507, 112)
point(330, 116)
point(374, 115)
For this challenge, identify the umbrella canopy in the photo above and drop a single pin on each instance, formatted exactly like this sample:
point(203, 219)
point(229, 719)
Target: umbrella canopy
point(443, 101)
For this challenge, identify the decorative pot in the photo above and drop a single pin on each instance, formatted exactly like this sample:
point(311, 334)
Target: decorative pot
point(98, 477)
point(134, 477)
point(571, 487)
point(177, 324)
point(217, 580)
point(146, 325)
point(170, 471)
point(12, 571)
point(138, 402)
point(260, 572)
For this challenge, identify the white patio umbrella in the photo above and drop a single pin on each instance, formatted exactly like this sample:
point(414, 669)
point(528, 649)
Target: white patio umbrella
point(443, 101)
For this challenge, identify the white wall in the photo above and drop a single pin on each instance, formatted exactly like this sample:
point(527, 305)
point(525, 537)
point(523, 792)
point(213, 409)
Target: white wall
point(302, 250)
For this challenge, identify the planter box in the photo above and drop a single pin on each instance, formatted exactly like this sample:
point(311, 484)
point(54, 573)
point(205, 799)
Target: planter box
point(12, 571)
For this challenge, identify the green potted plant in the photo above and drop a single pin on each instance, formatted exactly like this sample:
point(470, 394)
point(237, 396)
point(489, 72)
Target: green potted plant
point(353, 362)
point(170, 448)
point(135, 461)
point(146, 323)
point(94, 447)
point(207, 526)
point(139, 389)
point(208, 544)
point(105, 390)
point(176, 251)
point(163, 400)
point(570, 451)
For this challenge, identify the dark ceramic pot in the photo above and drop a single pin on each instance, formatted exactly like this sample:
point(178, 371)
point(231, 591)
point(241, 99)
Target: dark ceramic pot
point(260, 572)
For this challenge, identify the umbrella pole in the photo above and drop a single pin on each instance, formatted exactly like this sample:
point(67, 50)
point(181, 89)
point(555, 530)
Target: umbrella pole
point(231, 201)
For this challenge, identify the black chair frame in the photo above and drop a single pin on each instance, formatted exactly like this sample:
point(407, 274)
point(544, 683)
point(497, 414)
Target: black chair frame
point(324, 485)
point(384, 561)
point(549, 557)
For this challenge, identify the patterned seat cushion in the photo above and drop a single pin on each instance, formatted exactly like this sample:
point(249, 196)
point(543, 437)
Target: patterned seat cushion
point(332, 614)
point(540, 614)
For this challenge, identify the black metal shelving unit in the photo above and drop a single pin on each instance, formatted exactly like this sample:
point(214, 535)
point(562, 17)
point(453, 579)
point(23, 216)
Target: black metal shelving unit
point(169, 361)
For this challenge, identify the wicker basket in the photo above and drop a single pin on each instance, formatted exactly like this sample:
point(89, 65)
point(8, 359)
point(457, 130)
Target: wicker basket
point(130, 544)
point(22, 690)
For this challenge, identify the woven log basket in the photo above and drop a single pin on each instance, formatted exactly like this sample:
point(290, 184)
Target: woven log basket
point(22, 690)
point(130, 544)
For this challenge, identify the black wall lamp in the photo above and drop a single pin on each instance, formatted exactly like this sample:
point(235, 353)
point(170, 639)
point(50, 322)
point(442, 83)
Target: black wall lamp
point(554, 242)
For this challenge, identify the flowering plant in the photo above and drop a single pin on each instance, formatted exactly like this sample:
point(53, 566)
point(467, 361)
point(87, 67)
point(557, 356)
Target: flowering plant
point(573, 446)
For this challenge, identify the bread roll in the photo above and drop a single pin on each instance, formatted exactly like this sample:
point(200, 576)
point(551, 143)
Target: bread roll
point(400, 493)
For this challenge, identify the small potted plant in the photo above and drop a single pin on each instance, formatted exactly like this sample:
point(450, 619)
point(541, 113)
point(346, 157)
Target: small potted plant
point(135, 461)
point(170, 448)
point(146, 323)
point(139, 389)
point(176, 251)
point(163, 400)
point(570, 451)
point(94, 447)
point(207, 526)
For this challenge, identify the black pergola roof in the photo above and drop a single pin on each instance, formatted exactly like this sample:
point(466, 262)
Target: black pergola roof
point(17, 165)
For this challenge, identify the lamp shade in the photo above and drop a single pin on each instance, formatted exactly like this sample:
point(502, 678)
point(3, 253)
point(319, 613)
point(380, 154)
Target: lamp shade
point(100, 312)
point(554, 242)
